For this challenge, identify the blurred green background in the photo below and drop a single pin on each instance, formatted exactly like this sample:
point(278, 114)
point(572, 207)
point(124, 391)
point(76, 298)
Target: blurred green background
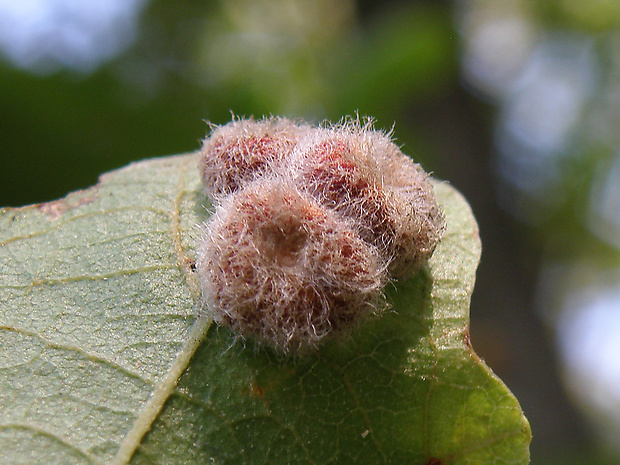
point(515, 102)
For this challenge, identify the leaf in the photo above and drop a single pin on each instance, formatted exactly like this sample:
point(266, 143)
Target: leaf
point(98, 305)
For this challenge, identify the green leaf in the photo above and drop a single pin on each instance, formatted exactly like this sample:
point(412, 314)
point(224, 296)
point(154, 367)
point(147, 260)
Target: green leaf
point(98, 305)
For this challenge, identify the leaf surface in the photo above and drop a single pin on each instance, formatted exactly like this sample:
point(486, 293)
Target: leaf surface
point(103, 359)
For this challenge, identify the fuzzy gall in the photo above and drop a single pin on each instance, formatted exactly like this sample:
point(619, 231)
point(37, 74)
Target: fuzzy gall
point(310, 224)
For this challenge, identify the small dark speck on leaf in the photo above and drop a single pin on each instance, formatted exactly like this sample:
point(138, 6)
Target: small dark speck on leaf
point(433, 462)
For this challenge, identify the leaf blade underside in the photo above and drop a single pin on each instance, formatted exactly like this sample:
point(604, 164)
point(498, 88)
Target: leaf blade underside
point(98, 299)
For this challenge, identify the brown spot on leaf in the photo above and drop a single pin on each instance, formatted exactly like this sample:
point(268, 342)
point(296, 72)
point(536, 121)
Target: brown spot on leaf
point(467, 337)
point(256, 390)
point(57, 208)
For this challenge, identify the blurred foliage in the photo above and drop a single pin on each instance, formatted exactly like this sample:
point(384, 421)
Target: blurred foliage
point(193, 63)
point(557, 168)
